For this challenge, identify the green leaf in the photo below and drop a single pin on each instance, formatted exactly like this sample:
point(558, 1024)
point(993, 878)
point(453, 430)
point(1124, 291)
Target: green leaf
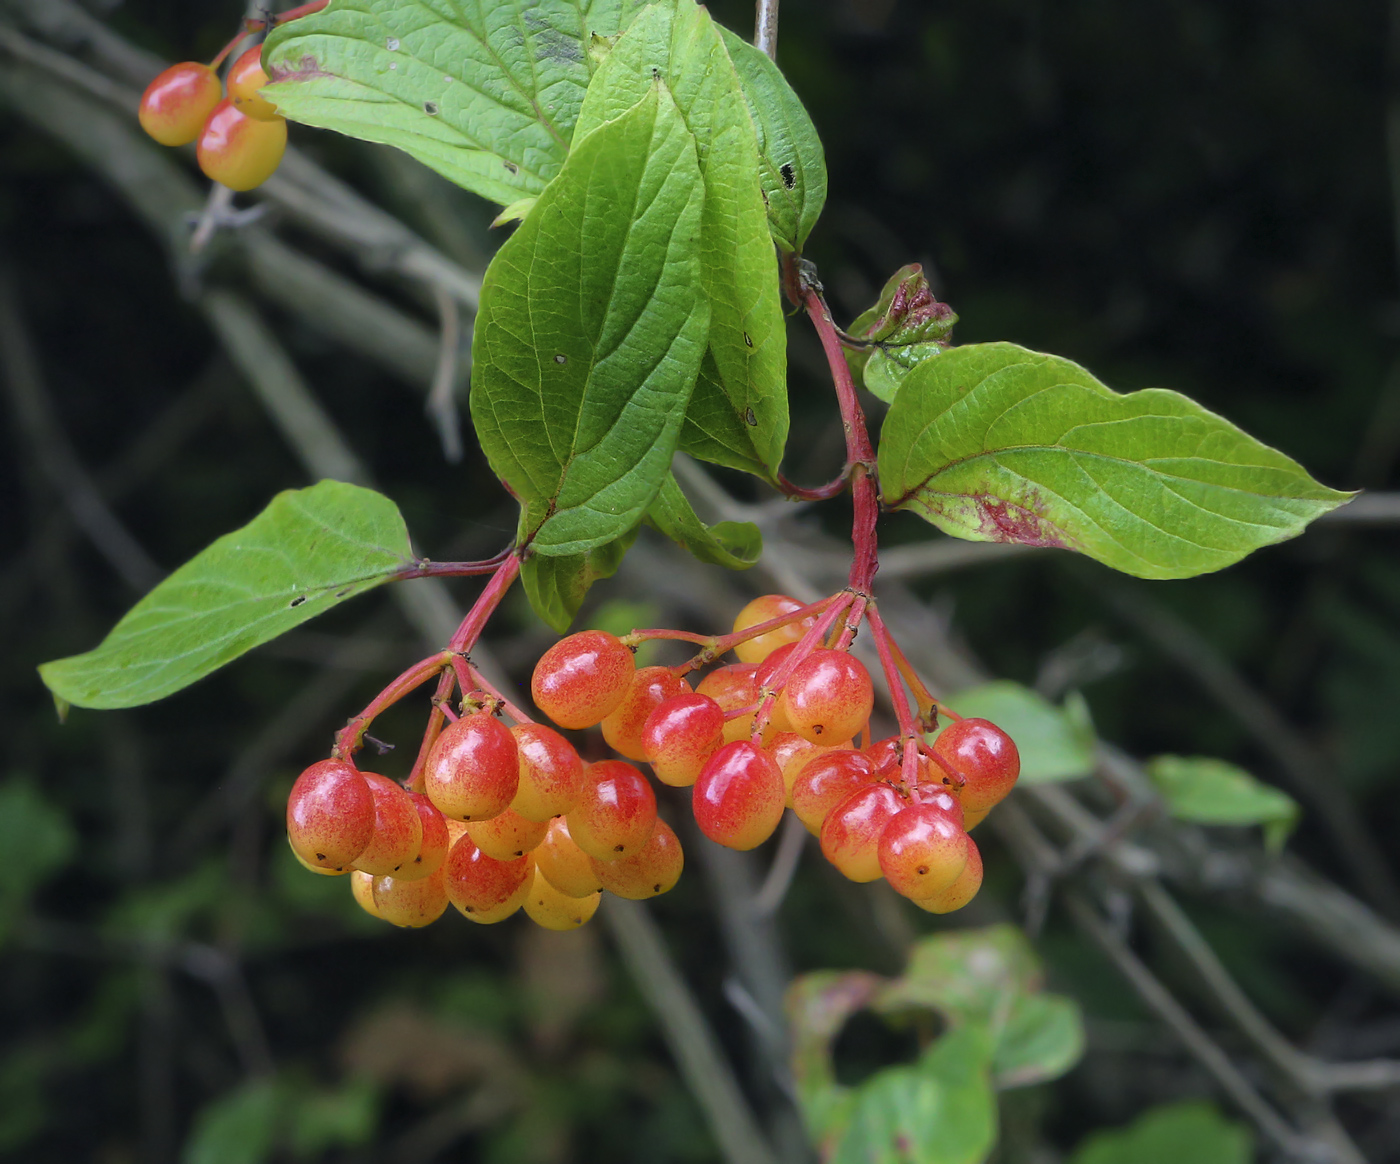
point(1171, 1134)
point(557, 586)
point(308, 551)
point(485, 92)
point(792, 165)
point(909, 324)
point(679, 43)
point(237, 1128)
point(735, 544)
point(590, 332)
point(37, 840)
point(992, 442)
point(1052, 744)
point(715, 432)
point(1212, 792)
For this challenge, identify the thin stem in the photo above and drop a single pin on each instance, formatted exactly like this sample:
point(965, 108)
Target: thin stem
point(908, 726)
point(928, 706)
point(765, 27)
point(839, 604)
point(490, 598)
point(717, 645)
point(348, 739)
point(819, 492)
point(436, 719)
point(487, 686)
point(423, 568)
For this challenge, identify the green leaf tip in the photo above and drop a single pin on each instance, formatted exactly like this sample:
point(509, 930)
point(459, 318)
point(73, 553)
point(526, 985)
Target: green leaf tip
point(308, 551)
point(992, 442)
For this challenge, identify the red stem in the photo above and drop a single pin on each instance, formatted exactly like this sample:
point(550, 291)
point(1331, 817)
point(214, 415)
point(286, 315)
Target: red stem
point(432, 731)
point(423, 568)
point(348, 739)
point(486, 603)
point(839, 604)
point(903, 713)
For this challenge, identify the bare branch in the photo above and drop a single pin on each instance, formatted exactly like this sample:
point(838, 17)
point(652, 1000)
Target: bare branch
point(765, 27)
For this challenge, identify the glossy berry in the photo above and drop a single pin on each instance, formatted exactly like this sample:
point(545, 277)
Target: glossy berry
point(330, 815)
point(473, 769)
point(551, 773)
point(362, 889)
point(922, 851)
point(732, 687)
point(398, 831)
point(762, 609)
point(888, 757)
point(851, 834)
point(653, 871)
point(650, 687)
point(963, 890)
point(792, 753)
point(972, 819)
point(615, 812)
point(432, 852)
point(245, 78)
point(507, 835)
point(943, 800)
point(825, 781)
point(411, 904)
point(177, 103)
point(484, 889)
point(567, 867)
point(828, 697)
point(680, 735)
point(553, 910)
point(310, 868)
point(738, 799)
point(582, 678)
point(984, 756)
point(240, 152)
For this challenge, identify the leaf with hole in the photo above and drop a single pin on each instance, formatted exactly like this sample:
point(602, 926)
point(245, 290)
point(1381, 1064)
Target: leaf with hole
point(992, 442)
point(1212, 792)
point(308, 551)
point(485, 92)
point(590, 332)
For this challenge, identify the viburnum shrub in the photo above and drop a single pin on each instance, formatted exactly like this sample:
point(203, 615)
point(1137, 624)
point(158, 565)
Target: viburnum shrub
point(664, 178)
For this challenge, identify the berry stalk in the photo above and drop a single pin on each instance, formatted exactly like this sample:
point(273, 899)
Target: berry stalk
point(490, 598)
point(350, 737)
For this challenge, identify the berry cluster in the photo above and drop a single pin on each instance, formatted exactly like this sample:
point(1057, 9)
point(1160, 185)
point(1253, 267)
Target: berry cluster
point(241, 137)
point(505, 818)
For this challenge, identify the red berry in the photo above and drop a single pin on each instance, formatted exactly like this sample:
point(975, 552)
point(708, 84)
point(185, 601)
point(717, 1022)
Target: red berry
point(943, 800)
point(828, 697)
point(432, 852)
point(654, 870)
point(615, 812)
point(330, 815)
point(362, 889)
point(484, 889)
point(922, 850)
point(650, 687)
point(398, 830)
point(680, 735)
point(827, 780)
point(738, 799)
point(963, 890)
point(177, 103)
point(984, 756)
point(582, 678)
point(732, 687)
point(415, 903)
point(551, 773)
point(238, 151)
point(769, 606)
point(791, 753)
point(507, 835)
point(473, 769)
point(567, 867)
point(245, 78)
point(553, 910)
point(851, 833)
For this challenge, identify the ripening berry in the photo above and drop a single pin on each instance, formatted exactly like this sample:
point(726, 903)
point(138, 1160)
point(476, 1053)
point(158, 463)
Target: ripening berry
point(411, 904)
point(398, 831)
point(432, 852)
point(551, 773)
point(177, 103)
point(769, 606)
point(507, 835)
point(738, 799)
point(791, 753)
point(732, 687)
point(615, 812)
point(650, 687)
point(963, 890)
point(828, 697)
point(653, 871)
point(484, 889)
point(310, 868)
point(942, 799)
point(582, 678)
point(362, 889)
point(922, 851)
point(330, 815)
point(245, 78)
point(984, 756)
point(567, 867)
point(473, 769)
point(972, 819)
point(553, 910)
point(825, 781)
point(851, 834)
point(680, 735)
point(240, 152)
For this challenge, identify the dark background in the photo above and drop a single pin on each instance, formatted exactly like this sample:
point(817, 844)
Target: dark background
point(1183, 194)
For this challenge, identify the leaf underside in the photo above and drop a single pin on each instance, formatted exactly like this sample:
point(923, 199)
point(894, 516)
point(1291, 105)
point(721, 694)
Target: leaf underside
point(734, 544)
point(308, 551)
point(992, 442)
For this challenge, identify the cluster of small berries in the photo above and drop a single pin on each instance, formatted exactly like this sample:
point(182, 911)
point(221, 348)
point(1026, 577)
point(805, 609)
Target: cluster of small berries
point(241, 137)
point(511, 817)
